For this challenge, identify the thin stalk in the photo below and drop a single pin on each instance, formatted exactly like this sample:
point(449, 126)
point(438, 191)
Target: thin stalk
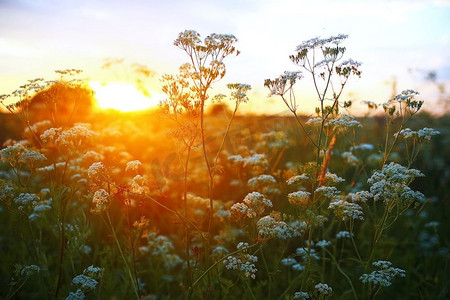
point(342, 272)
point(122, 255)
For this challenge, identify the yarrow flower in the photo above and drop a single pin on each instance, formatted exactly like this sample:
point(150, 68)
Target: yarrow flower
point(384, 275)
point(299, 198)
point(133, 165)
point(254, 204)
point(257, 183)
point(333, 178)
point(301, 295)
point(391, 184)
point(346, 210)
point(297, 179)
point(97, 172)
point(361, 196)
point(17, 154)
point(323, 244)
point(100, 200)
point(242, 262)
point(423, 135)
point(344, 235)
point(323, 288)
point(268, 227)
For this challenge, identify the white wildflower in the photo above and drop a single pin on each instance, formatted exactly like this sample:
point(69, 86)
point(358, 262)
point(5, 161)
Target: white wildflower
point(100, 200)
point(383, 276)
point(323, 288)
point(297, 179)
point(299, 198)
point(344, 235)
point(133, 165)
point(301, 295)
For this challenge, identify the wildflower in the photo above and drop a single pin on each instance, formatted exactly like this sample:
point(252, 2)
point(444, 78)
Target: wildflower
point(256, 160)
point(423, 135)
point(18, 154)
point(133, 165)
point(361, 196)
point(348, 67)
point(350, 159)
point(323, 288)
point(97, 172)
point(298, 267)
point(282, 84)
point(239, 210)
point(138, 184)
point(220, 251)
point(142, 223)
point(384, 275)
point(50, 135)
point(297, 179)
point(303, 252)
point(78, 295)
point(301, 295)
point(343, 123)
point(362, 147)
point(235, 159)
point(26, 199)
point(391, 184)
point(344, 235)
point(299, 198)
point(257, 183)
point(333, 178)
point(328, 191)
point(257, 202)
point(268, 227)
point(346, 210)
point(323, 244)
point(30, 270)
point(288, 261)
point(86, 283)
point(239, 92)
point(100, 200)
point(242, 262)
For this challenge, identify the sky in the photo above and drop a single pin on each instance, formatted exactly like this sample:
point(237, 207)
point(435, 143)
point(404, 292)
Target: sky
point(397, 41)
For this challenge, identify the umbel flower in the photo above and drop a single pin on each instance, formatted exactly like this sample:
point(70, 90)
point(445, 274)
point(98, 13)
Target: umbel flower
point(384, 275)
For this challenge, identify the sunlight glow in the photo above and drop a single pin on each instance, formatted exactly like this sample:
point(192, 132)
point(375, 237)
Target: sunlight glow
point(121, 96)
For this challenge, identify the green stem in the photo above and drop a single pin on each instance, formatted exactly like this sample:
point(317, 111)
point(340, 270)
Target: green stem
point(122, 255)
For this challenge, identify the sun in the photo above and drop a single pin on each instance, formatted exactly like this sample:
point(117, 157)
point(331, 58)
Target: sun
point(121, 96)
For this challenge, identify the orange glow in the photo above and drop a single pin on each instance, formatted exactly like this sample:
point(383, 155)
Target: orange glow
point(121, 96)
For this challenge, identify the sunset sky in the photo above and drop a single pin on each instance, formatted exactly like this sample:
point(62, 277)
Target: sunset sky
point(393, 39)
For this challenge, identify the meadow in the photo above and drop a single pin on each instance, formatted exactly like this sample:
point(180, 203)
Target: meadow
point(193, 200)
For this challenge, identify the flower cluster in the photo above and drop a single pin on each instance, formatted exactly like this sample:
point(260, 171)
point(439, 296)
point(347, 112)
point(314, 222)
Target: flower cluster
point(346, 210)
point(85, 282)
point(98, 172)
point(391, 184)
point(133, 165)
point(243, 261)
point(161, 246)
point(100, 200)
point(299, 198)
point(17, 155)
point(269, 227)
point(254, 204)
point(384, 275)
point(344, 235)
point(260, 182)
point(301, 295)
point(297, 179)
point(422, 135)
point(323, 288)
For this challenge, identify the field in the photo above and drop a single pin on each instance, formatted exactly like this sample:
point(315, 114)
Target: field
point(193, 200)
